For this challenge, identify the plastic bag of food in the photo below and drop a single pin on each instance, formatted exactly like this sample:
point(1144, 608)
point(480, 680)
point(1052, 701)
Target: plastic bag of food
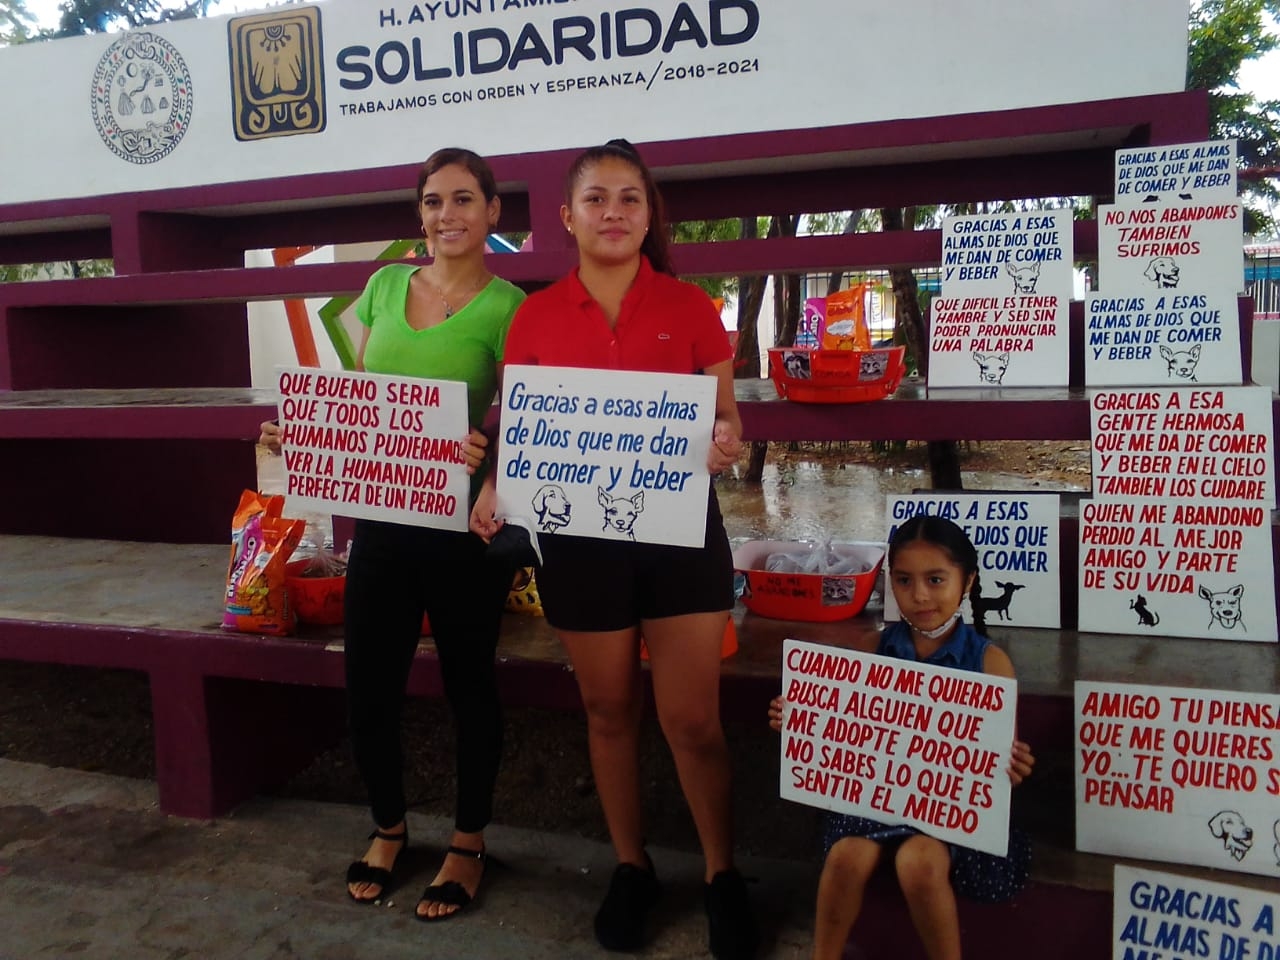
point(824, 558)
point(845, 327)
point(256, 600)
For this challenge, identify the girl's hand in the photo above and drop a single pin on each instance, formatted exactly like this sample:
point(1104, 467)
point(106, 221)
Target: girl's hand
point(474, 448)
point(484, 523)
point(726, 446)
point(776, 708)
point(1020, 763)
point(269, 435)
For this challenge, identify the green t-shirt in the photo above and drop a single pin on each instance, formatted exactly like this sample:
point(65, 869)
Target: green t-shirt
point(466, 347)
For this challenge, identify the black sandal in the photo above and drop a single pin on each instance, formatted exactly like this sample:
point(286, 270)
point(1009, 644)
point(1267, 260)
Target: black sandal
point(451, 893)
point(362, 872)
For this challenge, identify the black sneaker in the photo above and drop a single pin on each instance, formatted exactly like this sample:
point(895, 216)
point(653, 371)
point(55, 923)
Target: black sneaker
point(620, 919)
point(731, 920)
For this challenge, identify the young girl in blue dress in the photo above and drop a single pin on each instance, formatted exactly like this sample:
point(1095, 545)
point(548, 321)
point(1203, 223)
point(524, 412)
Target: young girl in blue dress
point(932, 566)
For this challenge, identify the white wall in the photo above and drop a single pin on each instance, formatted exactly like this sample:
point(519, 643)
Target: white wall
point(798, 64)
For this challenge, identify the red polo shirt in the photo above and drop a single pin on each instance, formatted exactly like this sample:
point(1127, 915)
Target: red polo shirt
point(665, 326)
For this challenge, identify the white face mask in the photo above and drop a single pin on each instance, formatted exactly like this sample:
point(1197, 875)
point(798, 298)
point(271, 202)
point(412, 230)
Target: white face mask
point(936, 632)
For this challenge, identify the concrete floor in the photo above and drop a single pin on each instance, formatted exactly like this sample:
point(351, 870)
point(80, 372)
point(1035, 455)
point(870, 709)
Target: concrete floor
point(89, 868)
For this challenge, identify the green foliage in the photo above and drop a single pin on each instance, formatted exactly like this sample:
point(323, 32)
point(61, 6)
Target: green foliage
point(15, 22)
point(98, 16)
point(709, 231)
point(1221, 36)
point(60, 270)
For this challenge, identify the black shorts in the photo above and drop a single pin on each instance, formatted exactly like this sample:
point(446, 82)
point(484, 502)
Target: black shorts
point(589, 585)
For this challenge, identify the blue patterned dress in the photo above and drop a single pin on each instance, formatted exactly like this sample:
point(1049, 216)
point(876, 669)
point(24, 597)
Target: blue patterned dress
point(974, 874)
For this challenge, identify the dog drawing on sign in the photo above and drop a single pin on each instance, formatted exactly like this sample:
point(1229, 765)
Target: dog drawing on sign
point(1236, 835)
point(998, 605)
point(991, 366)
point(552, 507)
point(1163, 272)
point(1224, 606)
point(1024, 278)
point(1182, 363)
point(1275, 829)
point(620, 512)
point(1146, 617)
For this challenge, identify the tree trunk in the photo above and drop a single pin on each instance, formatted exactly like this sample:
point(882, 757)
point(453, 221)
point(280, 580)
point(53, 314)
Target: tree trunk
point(786, 290)
point(746, 356)
point(944, 459)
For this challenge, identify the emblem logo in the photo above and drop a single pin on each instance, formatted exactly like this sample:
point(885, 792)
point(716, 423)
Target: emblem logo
point(141, 98)
point(277, 74)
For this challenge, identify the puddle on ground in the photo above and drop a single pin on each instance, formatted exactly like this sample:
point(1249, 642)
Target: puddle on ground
point(803, 500)
point(797, 500)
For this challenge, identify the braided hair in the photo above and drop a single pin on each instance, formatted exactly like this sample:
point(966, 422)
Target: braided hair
point(949, 536)
point(655, 246)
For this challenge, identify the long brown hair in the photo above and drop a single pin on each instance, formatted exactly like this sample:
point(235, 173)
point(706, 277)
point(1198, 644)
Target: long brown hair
point(655, 245)
point(475, 164)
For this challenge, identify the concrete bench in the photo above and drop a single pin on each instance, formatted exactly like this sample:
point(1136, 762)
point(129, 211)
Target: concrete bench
point(236, 712)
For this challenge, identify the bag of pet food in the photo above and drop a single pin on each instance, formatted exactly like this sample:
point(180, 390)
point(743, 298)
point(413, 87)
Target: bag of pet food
point(846, 323)
point(256, 600)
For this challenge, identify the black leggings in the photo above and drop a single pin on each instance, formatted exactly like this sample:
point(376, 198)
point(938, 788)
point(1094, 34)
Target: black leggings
point(396, 572)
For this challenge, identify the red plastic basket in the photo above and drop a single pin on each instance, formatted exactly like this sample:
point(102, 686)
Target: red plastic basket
point(813, 375)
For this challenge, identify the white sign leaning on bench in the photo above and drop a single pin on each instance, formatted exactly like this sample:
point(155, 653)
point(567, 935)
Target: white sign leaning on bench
point(1179, 774)
point(1162, 914)
point(610, 454)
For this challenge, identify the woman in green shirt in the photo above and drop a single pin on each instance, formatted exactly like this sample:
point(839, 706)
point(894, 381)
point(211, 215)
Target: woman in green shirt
point(446, 320)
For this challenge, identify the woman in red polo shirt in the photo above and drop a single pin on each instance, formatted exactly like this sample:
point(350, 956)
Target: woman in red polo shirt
point(623, 309)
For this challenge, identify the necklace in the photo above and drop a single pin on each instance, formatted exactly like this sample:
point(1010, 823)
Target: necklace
point(463, 298)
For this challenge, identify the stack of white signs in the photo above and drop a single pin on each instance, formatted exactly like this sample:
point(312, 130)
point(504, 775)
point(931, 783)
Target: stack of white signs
point(1177, 540)
point(1001, 319)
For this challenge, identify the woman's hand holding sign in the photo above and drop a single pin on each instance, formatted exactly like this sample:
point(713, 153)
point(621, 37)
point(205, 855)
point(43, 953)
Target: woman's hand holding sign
point(474, 449)
point(726, 446)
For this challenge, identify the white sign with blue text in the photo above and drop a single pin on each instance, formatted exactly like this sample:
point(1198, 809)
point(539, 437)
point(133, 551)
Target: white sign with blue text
point(1176, 171)
point(609, 454)
point(1162, 339)
point(1179, 774)
point(1162, 915)
point(1016, 536)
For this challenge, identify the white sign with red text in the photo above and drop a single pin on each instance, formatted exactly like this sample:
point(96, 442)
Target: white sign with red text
point(1166, 247)
point(1179, 774)
point(375, 447)
point(608, 454)
point(899, 742)
point(1185, 569)
point(1184, 444)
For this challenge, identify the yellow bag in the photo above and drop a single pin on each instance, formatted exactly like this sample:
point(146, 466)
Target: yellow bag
point(523, 597)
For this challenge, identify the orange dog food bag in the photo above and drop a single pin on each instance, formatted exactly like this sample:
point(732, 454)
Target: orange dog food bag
point(256, 600)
